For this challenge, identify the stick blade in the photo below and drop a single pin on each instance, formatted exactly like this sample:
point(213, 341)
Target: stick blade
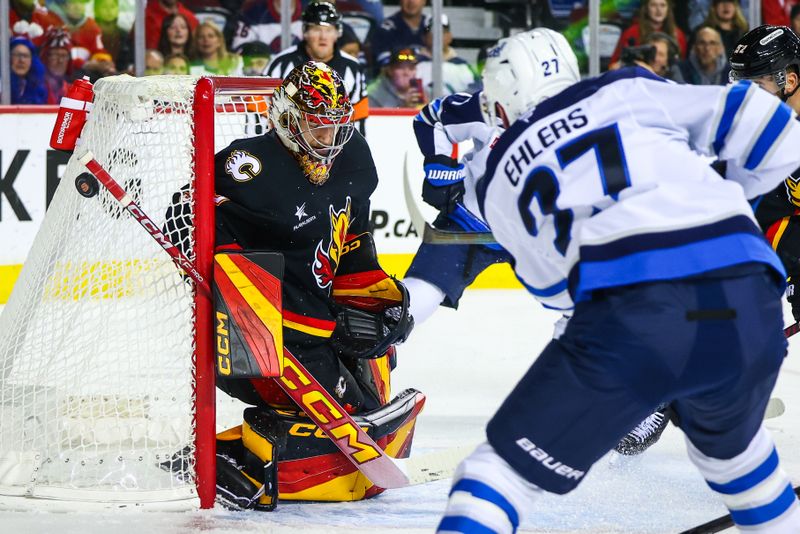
point(434, 236)
point(775, 408)
point(434, 466)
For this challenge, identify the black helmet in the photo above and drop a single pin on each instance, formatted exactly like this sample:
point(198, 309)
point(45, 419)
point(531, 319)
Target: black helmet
point(322, 14)
point(765, 50)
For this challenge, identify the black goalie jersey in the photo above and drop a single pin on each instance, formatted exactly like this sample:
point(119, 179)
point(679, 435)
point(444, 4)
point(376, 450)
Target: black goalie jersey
point(265, 203)
point(778, 215)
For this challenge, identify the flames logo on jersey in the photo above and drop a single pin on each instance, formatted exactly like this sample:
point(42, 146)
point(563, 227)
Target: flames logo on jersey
point(242, 166)
point(793, 190)
point(327, 260)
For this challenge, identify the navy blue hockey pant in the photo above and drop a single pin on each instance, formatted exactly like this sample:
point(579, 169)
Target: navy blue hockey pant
point(452, 268)
point(711, 347)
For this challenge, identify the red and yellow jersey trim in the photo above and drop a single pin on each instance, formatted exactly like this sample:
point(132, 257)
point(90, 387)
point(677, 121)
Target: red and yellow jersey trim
point(230, 247)
point(308, 325)
point(775, 232)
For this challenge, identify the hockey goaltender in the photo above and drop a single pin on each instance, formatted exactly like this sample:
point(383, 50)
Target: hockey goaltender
point(295, 203)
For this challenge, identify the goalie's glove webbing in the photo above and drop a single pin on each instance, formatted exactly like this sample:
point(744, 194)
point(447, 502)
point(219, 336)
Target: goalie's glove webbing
point(363, 334)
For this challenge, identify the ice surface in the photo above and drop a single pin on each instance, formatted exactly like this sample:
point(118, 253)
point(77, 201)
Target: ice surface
point(466, 362)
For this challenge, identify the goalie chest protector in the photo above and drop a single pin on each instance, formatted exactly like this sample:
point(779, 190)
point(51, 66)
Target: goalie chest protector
point(264, 202)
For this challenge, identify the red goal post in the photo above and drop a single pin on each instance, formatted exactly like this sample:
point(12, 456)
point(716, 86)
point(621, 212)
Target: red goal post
point(206, 108)
point(107, 392)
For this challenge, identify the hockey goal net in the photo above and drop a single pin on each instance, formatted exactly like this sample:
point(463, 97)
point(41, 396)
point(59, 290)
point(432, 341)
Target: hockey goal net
point(106, 366)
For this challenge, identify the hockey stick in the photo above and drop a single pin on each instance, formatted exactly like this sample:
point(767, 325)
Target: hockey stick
point(775, 408)
point(721, 523)
point(434, 466)
point(298, 383)
point(181, 261)
point(433, 235)
point(791, 330)
point(337, 424)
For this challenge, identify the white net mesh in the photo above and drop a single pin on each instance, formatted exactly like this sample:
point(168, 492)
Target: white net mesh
point(96, 355)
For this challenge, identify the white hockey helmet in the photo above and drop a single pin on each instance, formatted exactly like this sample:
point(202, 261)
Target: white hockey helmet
point(524, 69)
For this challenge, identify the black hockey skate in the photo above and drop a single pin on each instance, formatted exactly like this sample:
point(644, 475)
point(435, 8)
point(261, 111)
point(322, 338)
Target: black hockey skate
point(645, 434)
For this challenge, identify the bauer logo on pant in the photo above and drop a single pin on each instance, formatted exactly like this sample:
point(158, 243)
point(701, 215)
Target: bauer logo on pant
point(548, 461)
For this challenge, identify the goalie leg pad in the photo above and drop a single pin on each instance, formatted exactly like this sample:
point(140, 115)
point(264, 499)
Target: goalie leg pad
point(373, 377)
point(247, 477)
point(313, 469)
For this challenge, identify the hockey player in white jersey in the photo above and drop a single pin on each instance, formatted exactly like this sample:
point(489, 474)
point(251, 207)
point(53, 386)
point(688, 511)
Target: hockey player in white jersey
point(601, 192)
point(439, 273)
point(770, 57)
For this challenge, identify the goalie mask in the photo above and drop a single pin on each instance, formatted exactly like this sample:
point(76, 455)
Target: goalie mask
point(311, 114)
point(523, 70)
point(766, 51)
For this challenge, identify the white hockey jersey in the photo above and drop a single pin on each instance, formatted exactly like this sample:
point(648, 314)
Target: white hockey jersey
point(608, 183)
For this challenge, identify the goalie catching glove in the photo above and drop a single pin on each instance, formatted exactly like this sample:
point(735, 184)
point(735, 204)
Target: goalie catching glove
point(363, 334)
point(373, 307)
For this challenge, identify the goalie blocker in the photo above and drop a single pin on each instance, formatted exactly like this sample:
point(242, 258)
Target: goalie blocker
point(278, 452)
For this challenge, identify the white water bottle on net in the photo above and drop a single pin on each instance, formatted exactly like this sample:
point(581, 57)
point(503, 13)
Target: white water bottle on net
point(106, 356)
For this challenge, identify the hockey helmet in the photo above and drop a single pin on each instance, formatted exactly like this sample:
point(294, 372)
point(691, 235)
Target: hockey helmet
point(322, 14)
point(311, 112)
point(523, 70)
point(766, 50)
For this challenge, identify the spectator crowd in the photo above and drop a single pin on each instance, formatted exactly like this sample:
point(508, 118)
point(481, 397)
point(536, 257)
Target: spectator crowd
point(384, 62)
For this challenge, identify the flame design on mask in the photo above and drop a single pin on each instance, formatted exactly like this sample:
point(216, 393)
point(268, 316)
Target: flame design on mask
point(320, 89)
